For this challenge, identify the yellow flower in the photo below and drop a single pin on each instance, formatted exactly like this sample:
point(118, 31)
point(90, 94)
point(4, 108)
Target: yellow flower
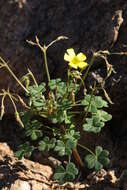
point(75, 61)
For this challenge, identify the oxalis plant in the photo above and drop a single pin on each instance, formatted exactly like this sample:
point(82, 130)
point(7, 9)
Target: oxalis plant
point(49, 119)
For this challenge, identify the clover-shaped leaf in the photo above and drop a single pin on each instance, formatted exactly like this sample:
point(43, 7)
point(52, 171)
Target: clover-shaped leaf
point(65, 174)
point(58, 85)
point(103, 115)
point(100, 103)
point(24, 150)
point(72, 134)
point(65, 148)
point(94, 103)
point(47, 144)
point(33, 129)
point(97, 160)
point(60, 116)
point(93, 125)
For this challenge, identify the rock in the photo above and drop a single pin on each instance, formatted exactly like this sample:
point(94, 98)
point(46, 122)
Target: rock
point(111, 176)
point(20, 185)
point(23, 174)
point(46, 159)
point(37, 168)
point(5, 150)
point(96, 177)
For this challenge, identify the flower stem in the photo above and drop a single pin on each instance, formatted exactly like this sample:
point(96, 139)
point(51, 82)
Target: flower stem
point(46, 64)
point(32, 76)
point(87, 71)
point(17, 80)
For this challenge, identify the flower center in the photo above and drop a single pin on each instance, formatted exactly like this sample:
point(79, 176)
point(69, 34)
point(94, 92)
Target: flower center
point(75, 60)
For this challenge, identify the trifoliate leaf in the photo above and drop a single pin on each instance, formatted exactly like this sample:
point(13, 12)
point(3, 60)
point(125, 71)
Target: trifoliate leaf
point(93, 125)
point(47, 144)
point(94, 103)
point(24, 150)
point(97, 160)
point(103, 115)
point(33, 129)
point(65, 174)
point(65, 148)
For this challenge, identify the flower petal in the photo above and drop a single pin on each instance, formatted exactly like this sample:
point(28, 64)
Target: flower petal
point(66, 57)
point(71, 52)
point(82, 65)
point(81, 56)
point(71, 64)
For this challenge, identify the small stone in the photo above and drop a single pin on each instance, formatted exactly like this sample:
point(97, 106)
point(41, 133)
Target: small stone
point(111, 176)
point(96, 177)
point(20, 185)
point(5, 150)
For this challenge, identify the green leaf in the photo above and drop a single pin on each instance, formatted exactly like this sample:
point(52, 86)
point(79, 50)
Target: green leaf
point(47, 144)
point(35, 90)
point(97, 160)
point(38, 103)
point(100, 103)
point(95, 103)
point(65, 148)
point(60, 148)
point(33, 129)
point(71, 169)
point(98, 150)
point(93, 125)
point(54, 83)
point(60, 116)
point(72, 134)
point(90, 159)
point(58, 86)
point(65, 174)
point(103, 115)
point(24, 150)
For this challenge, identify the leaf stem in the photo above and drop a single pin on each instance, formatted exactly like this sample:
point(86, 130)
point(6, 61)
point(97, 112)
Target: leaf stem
point(74, 152)
point(84, 147)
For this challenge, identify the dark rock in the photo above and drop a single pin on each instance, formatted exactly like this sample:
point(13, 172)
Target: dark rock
point(90, 25)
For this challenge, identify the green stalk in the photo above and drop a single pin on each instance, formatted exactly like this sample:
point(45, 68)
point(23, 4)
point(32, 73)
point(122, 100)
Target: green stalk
point(32, 76)
point(46, 64)
point(88, 68)
point(92, 93)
